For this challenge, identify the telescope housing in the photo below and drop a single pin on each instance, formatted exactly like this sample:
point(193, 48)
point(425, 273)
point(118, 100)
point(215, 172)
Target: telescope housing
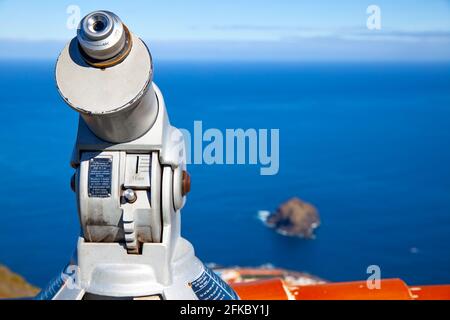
point(105, 74)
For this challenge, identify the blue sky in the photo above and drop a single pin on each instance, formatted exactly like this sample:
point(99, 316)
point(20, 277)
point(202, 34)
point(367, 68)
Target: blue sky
point(287, 29)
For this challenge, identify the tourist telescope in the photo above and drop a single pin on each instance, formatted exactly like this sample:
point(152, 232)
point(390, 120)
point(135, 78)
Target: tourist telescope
point(131, 182)
point(130, 175)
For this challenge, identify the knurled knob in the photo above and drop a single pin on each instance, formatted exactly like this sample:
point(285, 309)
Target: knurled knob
point(186, 183)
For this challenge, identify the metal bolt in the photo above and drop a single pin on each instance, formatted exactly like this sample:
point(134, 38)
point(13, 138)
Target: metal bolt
point(129, 195)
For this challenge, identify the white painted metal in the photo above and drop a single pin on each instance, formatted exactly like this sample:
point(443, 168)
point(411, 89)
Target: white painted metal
point(129, 162)
point(112, 101)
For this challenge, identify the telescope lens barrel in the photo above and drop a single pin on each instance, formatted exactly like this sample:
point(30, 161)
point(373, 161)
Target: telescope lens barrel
point(105, 74)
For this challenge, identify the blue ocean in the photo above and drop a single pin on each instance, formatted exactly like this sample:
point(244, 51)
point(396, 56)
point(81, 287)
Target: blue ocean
point(367, 144)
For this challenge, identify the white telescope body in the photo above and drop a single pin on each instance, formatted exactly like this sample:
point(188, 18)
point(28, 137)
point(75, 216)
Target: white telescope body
point(130, 176)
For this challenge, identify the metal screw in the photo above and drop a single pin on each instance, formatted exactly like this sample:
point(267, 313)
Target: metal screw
point(129, 195)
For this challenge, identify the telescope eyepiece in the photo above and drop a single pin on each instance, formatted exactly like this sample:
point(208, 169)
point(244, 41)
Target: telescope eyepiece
point(101, 35)
point(97, 26)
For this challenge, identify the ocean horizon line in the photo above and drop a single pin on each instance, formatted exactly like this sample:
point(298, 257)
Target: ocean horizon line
point(307, 50)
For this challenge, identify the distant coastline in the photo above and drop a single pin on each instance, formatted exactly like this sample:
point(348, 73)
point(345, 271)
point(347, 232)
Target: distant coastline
point(13, 285)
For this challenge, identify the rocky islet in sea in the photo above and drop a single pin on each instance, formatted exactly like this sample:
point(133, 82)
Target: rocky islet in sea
point(294, 217)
